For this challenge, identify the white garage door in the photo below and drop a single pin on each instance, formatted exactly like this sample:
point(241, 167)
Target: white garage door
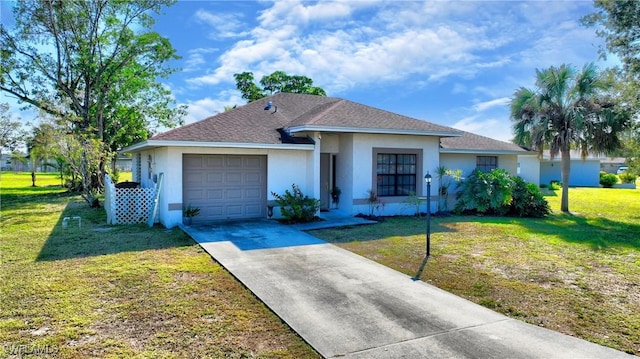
point(225, 187)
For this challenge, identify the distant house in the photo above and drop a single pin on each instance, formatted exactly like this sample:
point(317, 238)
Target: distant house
point(584, 172)
point(611, 164)
point(123, 163)
point(11, 163)
point(470, 151)
point(229, 164)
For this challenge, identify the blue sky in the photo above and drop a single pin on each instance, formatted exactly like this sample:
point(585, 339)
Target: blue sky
point(452, 63)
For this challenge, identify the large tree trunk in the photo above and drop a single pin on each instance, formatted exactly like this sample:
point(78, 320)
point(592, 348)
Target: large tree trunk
point(565, 154)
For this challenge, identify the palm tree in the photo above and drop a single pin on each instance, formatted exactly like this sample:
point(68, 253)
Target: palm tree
point(568, 110)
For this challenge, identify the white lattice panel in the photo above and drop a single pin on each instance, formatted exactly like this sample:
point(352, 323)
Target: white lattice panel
point(133, 205)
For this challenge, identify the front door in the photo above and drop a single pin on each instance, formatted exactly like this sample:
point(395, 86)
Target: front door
point(325, 181)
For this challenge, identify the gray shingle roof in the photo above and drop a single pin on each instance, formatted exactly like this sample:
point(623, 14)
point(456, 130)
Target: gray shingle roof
point(251, 123)
point(472, 142)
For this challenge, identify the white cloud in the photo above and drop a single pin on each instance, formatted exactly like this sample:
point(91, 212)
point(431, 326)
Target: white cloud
point(481, 49)
point(196, 58)
point(299, 13)
point(488, 127)
point(225, 25)
point(363, 53)
point(200, 109)
point(499, 102)
point(458, 88)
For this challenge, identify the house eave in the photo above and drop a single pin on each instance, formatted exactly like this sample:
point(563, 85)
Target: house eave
point(385, 131)
point(482, 152)
point(151, 144)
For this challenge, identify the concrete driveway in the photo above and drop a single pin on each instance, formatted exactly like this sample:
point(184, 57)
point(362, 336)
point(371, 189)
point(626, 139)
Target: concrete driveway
point(347, 306)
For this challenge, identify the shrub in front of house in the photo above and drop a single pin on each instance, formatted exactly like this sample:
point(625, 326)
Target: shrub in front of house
point(485, 192)
point(499, 193)
point(296, 207)
point(626, 177)
point(527, 200)
point(607, 180)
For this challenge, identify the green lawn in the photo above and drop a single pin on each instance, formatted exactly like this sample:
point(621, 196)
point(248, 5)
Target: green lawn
point(574, 273)
point(118, 291)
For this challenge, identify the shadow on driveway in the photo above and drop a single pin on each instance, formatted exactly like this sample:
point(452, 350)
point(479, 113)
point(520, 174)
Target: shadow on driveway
point(256, 234)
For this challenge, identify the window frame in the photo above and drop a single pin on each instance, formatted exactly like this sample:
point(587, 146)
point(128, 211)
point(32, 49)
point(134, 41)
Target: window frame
point(398, 151)
point(490, 165)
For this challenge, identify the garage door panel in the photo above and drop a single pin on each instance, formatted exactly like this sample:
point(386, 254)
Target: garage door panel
point(215, 179)
point(225, 186)
point(211, 212)
point(253, 178)
point(215, 194)
point(214, 161)
point(253, 162)
point(233, 194)
point(234, 178)
point(253, 211)
point(235, 210)
point(192, 162)
point(253, 193)
point(234, 161)
point(193, 195)
point(194, 178)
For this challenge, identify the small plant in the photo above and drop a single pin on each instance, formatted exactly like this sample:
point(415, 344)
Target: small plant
point(335, 195)
point(374, 202)
point(555, 185)
point(607, 180)
point(627, 177)
point(190, 211)
point(296, 207)
point(527, 201)
point(413, 201)
point(444, 179)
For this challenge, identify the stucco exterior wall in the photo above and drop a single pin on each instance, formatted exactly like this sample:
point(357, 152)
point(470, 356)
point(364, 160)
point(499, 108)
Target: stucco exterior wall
point(362, 167)
point(583, 173)
point(529, 168)
point(345, 173)
point(467, 162)
point(284, 167)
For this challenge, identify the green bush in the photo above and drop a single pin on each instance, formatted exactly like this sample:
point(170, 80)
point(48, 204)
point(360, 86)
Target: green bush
point(527, 201)
point(296, 207)
point(499, 193)
point(626, 177)
point(555, 185)
point(486, 193)
point(607, 180)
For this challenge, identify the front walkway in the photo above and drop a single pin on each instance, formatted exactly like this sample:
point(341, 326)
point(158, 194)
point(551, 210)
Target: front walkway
point(345, 305)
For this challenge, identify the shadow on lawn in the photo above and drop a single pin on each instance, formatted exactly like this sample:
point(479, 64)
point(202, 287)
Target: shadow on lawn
point(598, 233)
point(26, 197)
point(95, 238)
point(396, 226)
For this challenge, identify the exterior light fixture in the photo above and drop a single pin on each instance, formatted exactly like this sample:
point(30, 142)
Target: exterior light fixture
point(427, 180)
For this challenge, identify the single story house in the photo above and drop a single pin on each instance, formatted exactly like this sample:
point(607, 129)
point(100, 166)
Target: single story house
point(612, 164)
point(584, 172)
point(229, 164)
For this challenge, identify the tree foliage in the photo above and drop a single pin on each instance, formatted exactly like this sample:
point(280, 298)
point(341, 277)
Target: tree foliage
point(567, 110)
point(618, 23)
point(620, 27)
point(279, 81)
point(11, 133)
point(93, 65)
